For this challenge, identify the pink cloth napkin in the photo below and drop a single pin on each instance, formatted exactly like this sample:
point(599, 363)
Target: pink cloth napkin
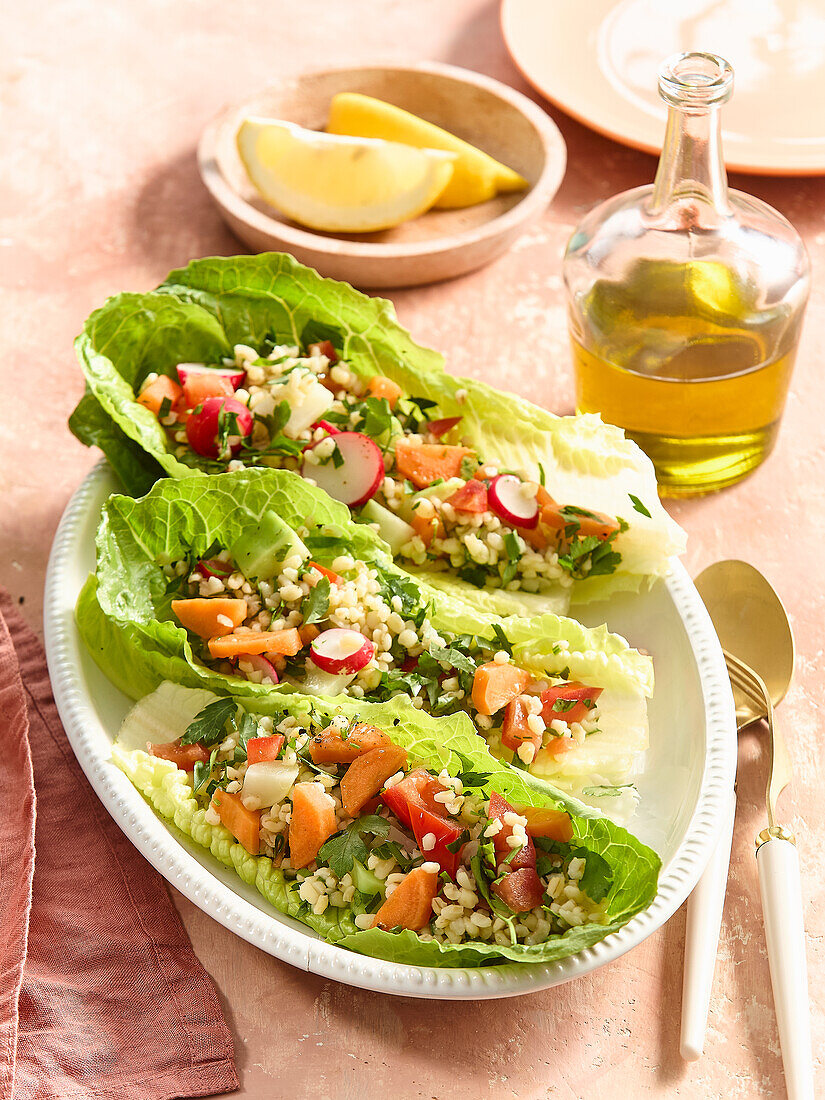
point(101, 994)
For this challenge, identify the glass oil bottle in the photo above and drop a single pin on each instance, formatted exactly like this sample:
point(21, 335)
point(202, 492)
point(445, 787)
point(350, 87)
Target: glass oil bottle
point(686, 301)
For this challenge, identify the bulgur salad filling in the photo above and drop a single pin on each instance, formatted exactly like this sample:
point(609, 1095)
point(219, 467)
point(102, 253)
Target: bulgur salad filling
point(228, 593)
point(362, 831)
point(384, 454)
point(256, 361)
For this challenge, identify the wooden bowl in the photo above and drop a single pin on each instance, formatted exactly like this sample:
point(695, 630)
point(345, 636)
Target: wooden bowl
point(441, 243)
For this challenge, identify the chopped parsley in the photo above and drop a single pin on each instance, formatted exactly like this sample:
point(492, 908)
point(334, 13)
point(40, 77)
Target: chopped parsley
point(342, 849)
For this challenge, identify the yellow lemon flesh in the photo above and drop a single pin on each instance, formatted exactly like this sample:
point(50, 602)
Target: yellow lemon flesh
point(340, 184)
point(476, 176)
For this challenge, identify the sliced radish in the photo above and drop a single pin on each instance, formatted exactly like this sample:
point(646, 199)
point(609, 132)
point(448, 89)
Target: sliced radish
point(330, 429)
point(441, 427)
point(260, 664)
point(508, 501)
point(214, 567)
point(357, 478)
point(233, 375)
point(202, 426)
point(341, 650)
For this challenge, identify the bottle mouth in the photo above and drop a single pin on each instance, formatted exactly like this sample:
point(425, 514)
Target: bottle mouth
point(695, 80)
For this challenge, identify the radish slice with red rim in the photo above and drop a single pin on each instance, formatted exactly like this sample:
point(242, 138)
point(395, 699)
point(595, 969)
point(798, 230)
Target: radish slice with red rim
point(260, 664)
point(330, 429)
point(508, 500)
point(357, 476)
point(232, 374)
point(341, 650)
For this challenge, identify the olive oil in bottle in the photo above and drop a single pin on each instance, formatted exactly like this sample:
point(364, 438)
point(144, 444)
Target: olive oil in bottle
point(686, 301)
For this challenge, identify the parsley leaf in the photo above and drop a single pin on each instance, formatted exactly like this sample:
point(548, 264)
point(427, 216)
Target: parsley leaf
point(452, 655)
point(513, 548)
point(208, 726)
point(637, 504)
point(342, 849)
point(316, 605)
point(469, 777)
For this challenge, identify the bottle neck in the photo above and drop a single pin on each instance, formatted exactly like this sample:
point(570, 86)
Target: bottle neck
point(691, 173)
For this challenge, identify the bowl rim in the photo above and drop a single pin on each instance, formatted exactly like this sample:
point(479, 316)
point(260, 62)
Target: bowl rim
point(533, 202)
point(288, 940)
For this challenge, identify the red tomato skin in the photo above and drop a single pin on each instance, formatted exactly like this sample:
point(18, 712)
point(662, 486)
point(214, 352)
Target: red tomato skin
point(325, 348)
point(520, 890)
point(259, 749)
point(184, 757)
point(200, 386)
point(202, 425)
point(413, 804)
point(471, 497)
point(441, 427)
point(522, 859)
point(571, 690)
point(514, 731)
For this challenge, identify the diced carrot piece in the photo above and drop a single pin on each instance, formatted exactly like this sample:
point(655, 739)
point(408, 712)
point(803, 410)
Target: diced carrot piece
point(365, 776)
point(286, 642)
point(427, 524)
point(259, 749)
point(200, 385)
point(158, 391)
point(309, 632)
point(471, 497)
point(184, 756)
point(324, 348)
point(335, 578)
point(379, 386)
point(243, 824)
point(554, 520)
point(515, 730)
point(495, 685)
point(329, 747)
point(520, 890)
point(544, 821)
point(312, 822)
point(411, 903)
point(201, 615)
point(424, 463)
point(441, 427)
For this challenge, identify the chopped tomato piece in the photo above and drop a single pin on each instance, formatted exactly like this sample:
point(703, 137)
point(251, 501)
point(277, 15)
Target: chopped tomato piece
point(379, 386)
point(202, 616)
point(471, 497)
point(161, 389)
point(520, 890)
point(515, 730)
point(311, 824)
point(413, 803)
point(243, 824)
point(558, 746)
point(324, 348)
point(424, 463)
point(410, 905)
point(199, 386)
point(183, 756)
point(214, 567)
point(330, 747)
point(557, 527)
point(368, 773)
point(441, 427)
point(259, 749)
point(286, 642)
point(526, 857)
point(494, 685)
point(571, 702)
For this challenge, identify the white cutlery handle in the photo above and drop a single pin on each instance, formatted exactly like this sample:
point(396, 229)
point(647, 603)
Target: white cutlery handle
point(704, 918)
point(778, 864)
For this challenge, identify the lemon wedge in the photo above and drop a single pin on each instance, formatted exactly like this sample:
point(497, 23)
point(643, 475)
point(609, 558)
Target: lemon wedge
point(476, 176)
point(340, 184)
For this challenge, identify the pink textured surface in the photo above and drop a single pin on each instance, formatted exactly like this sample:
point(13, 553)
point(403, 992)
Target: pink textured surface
point(103, 104)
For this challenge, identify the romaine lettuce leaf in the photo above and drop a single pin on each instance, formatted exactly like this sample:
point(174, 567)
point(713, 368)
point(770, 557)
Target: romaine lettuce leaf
point(201, 311)
point(431, 742)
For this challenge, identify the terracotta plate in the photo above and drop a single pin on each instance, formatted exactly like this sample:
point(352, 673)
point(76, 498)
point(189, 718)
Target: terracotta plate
point(441, 243)
point(686, 786)
point(598, 62)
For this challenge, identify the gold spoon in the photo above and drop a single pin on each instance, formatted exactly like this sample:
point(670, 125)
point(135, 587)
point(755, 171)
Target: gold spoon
point(758, 644)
